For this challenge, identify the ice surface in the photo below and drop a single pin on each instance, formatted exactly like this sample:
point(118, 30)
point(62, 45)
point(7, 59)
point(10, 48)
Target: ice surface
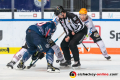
point(90, 63)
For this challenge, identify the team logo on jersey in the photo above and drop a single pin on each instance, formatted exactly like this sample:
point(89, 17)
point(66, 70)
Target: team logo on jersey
point(40, 47)
point(96, 34)
point(68, 20)
point(90, 30)
point(38, 3)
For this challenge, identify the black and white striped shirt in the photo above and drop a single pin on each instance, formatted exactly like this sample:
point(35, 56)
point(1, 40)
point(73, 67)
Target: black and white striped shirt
point(71, 23)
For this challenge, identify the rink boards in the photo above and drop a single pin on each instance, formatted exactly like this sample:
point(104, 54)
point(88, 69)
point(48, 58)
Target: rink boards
point(12, 35)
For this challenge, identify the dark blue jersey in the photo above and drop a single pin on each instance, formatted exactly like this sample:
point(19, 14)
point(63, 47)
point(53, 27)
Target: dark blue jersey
point(44, 29)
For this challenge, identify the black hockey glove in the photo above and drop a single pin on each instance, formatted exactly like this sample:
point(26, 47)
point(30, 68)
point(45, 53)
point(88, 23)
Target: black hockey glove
point(37, 55)
point(41, 55)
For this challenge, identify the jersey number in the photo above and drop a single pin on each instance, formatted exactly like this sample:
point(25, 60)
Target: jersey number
point(40, 24)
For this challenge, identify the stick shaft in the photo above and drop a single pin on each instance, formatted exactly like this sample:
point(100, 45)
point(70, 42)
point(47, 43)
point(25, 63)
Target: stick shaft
point(84, 46)
point(59, 36)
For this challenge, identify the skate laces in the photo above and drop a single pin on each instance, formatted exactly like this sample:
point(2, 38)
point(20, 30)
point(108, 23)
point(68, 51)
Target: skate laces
point(21, 62)
point(50, 65)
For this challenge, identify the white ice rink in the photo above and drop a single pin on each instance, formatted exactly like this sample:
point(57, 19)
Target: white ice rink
point(90, 63)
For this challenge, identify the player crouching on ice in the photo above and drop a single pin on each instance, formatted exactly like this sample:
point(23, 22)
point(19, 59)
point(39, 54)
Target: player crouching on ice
point(36, 55)
point(92, 32)
point(37, 38)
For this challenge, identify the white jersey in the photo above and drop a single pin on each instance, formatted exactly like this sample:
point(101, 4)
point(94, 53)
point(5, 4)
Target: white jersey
point(90, 25)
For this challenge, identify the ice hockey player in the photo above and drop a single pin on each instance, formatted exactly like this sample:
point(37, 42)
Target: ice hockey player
point(75, 34)
point(43, 28)
point(37, 37)
point(92, 32)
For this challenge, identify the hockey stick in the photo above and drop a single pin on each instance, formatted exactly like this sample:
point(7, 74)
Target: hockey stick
point(86, 48)
point(59, 36)
point(31, 64)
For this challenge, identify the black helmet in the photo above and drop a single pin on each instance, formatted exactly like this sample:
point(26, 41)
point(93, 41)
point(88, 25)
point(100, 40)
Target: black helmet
point(58, 10)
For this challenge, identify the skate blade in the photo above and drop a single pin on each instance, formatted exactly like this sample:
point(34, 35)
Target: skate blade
point(76, 67)
point(7, 67)
point(48, 70)
point(20, 68)
point(68, 65)
point(65, 67)
point(109, 59)
point(56, 71)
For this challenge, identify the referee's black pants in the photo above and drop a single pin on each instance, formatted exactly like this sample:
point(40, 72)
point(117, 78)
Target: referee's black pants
point(72, 44)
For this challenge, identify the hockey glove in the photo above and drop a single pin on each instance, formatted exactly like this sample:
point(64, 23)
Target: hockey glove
point(37, 55)
point(51, 42)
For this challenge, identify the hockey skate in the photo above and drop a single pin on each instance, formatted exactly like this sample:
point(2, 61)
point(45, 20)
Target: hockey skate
point(52, 69)
point(21, 65)
point(66, 63)
point(76, 65)
point(108, 58)
point(10, 64)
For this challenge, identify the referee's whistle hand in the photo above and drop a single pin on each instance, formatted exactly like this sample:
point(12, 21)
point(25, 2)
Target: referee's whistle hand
point(67, 39)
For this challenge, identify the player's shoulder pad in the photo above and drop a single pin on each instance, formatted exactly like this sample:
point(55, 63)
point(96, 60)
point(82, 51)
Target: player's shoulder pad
point(52, 25)
point(89, 19)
